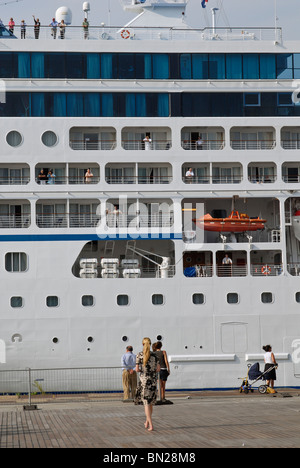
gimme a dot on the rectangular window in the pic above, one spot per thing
(16, 262)
(233, 66)
(16, 302)
(157, 299)
(267, 298)
(284, 66)
(160, 66)
(217, 66)
(284, 99)
(200, 66)
(52, 301)
(250, 66)
(267, 67)
(251, 99)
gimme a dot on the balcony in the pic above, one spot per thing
(213, 173)
(203, 138)
(290, 138)
(138, 174)
(14, 174)
(59, 214)
(141, 139)
(252, 138)
(71, 174)
(15, 221)
(262, 173)
(92, 139)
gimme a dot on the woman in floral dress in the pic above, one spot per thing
(148, 367)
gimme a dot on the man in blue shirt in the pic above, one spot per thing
(129, 378)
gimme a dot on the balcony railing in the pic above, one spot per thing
(14, 180)
(262, 179)
(212, 179)
(206, 145)
(66, 220)
(138, 179)
(92, 145)
(292, 179)
(155, 145)
(266, 269)
(232, 270)
(15, 221)
(139, 221)
(253, 145)
(152, 33)
(290, 144)
(71, 180)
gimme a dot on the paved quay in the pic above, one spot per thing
(223, 420)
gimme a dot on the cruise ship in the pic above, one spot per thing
(150, 183)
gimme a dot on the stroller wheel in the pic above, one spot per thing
(262, 389)
(246, 390)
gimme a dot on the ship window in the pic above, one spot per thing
(233, 66)
(16, 301)
(14, 138)
(52, 301)
(217, 66)
(16, 261)
(250, 66)
(251, 99)
(267, 67)
(297, 297)
(285, 99)
(232, 298)
(49, 139)
(122, 300)
(267, 298)
(198, 298)
(284, 66)
(157, 299)
(87, 301)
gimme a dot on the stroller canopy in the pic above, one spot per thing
(254, 372)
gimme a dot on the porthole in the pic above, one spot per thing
(297, 297)
(16, 302)
(198, 298)
(14, 138)
(267, 298)
(52, 301)
(87, 301)
(90, 339)
(159, 338)
(55, 340)
(122, 300)
(124, 338)
(49, 139)
(157, 299)
(232, 298)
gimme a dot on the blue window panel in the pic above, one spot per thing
(250, 66)
(59, 105)
(106, 66)
(252, 99)
(268, 66)
(163, 105)
(130, 105)
(285, 73)
(37, 65)
(74, 65)
(126, 69)
(74, 105)
(37, 105)
(107, 105)
(92, 105)
(7, 65)
(93, 66)
(200, 66)
(185, 66)
(297, 60)
(297, 73)
(217, 66)
(284, 99)
(284, 61)
(233, 66)
(148, 66)
(140, 102)
(160, 66)
(23, 65)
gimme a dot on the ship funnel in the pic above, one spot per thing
(64, 13)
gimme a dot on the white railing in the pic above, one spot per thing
(136, 145)
(93, 145)
(236, 179)
(266, 269)
(139, 221)
(290, 144)
(15, 221)
(138, 179)
(148, 33)
(253, 145)
(207, 145)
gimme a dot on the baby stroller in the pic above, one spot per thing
(255, 375)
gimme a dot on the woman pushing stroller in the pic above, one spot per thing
(270, 362)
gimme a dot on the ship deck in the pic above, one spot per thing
(205, 420)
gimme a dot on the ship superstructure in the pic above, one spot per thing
(112, 145)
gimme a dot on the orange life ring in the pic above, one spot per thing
(125, 34)
(266, 270)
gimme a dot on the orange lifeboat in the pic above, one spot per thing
(234, 223)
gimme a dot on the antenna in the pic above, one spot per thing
(13, 1)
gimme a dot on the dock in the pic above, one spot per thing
(198, 420)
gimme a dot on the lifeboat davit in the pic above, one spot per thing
(234, 223)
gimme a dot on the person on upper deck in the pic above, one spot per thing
(37, 26)
(53, 25)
